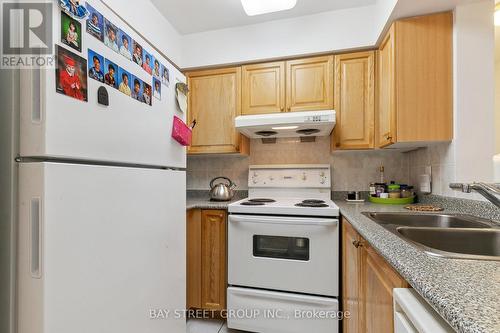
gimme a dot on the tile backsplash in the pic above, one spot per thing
(441, 157)
(352, 170)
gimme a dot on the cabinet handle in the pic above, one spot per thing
(282, 109)
(388, 137)
(357, 243)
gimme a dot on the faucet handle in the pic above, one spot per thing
(460, 186)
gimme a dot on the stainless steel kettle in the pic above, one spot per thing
(222, 191)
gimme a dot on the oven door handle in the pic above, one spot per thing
(283, 220)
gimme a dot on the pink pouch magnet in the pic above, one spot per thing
(181, 132)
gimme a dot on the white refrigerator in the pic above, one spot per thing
(96, 238)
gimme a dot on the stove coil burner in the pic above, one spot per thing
(313, 205)
(313, 201)
(264, 200)
(252, 203)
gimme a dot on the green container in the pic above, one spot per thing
(392, 201)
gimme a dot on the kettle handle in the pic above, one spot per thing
(231, 184)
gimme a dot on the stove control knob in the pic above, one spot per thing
(304, 176)
(255, 181)
(255, 174)
(271, 178)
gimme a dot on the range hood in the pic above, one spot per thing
(286, 125)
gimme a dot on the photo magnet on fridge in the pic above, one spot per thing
(125, 43)
(137, 55)
(165, 75)
(110, 72)
(74, 9)
(110, 35)
(136, 88)
(156, 88)
(96, 64)
(146, 93)
(124, 81)
(95, 23)
(147, 62)
(71, 74)
(71, 32)
(156, 69)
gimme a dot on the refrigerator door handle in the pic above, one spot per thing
(38, 91)
(35, 239)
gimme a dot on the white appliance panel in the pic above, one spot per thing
(285, 206)
(126, 131)
(285, 125)
(250, 312)
(99, 247)
(412, 314)
(310, 276)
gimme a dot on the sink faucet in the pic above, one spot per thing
(489, 191)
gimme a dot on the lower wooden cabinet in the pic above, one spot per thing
(368, 281)
(206, 259)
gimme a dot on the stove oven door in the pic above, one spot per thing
(296, 254)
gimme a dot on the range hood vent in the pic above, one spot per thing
(286, 125)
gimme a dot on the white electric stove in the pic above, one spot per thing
(283, 251)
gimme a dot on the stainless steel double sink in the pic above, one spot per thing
(444, 235)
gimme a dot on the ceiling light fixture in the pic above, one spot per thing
(285, 127)
(258, 7)
(497, 14)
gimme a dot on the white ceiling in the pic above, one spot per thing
(189, 16)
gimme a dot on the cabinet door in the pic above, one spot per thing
(351, 286)
(378, 280)
(193, 257)
(263, 88)
(354, 100)
(424, 79)
(309, 84)
(386, 120)
(213, 266)
(214, 101)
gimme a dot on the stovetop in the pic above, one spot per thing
(285, 206)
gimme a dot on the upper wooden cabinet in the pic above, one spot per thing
(354, 100)
(415, 82)
(263, 88)
(284, 86)
(214, 101)
(368, 281)
(309, 84)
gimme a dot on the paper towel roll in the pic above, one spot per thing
(496, 168)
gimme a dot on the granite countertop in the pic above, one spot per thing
(201, 200)
(464, 292)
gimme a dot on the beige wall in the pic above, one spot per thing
(350, 170)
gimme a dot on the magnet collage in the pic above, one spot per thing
(71, 73)
(107, 71)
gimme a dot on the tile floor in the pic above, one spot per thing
(208, 326)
